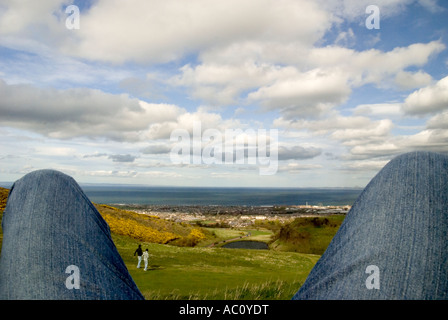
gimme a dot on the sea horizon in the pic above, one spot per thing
(127, 194)
(224, 196)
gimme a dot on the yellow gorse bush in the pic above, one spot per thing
(197, 235)
(3, 198)
(150, 228)
(192, 239)
(131, 228)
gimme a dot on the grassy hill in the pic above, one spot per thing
(182, 266)
(215, 273)
(307, 234)
(151, 228)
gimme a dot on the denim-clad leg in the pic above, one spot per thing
(393, 242)
(55, 241)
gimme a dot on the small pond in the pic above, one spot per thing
(246, 245)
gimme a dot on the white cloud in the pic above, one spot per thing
(26, 17)
(431, 5)
(157, 149)
(428, 139)
(221, 84)
(411, 80)
(36, 63)
(332, 122)
(305, 94)
(369, 151)
(379, 110)
(162, 31)
(346, 38)
(365, 165)
(54, 151)
(427, 100)
(122, 157)
(132, 174)
(80, 112)
(375, 66)
(439, 121)
(298, 153)
(295, 168)
(376, 131)
(94, 114)
(313, 81)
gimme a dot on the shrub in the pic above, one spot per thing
(131, 228)
(3, 198)
(195, 236)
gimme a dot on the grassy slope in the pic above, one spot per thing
(216, 273)
(209, 273)
(307, 235)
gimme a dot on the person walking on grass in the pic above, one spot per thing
(145, 259)
(139, 253)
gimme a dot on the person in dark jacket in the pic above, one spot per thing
(139, 253)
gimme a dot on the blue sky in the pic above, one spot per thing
(101, 102)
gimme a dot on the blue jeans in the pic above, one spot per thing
(393, 242)
(57, 246)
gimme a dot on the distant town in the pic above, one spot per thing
(235, 216)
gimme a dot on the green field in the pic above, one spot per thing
(216, 273)
(191, 270)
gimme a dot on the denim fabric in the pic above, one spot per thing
(51, 228)
(399, 224)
